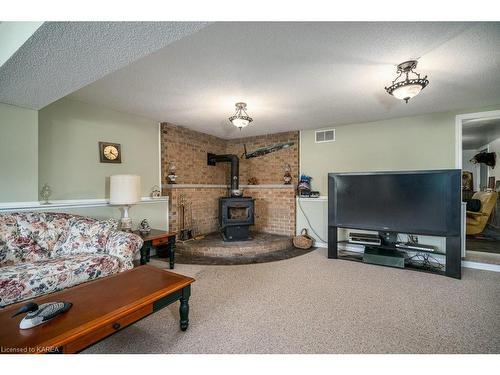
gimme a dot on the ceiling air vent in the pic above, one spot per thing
(325, 135)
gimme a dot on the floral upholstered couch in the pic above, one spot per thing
(43, 252)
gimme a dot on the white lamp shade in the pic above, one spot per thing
(124, 189)
(240, 123)
(407, 91)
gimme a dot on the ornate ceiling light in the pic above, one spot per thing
(408, 87)
(240, 119)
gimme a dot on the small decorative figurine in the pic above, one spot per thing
(171, 173)
(155, 192)
(304, 186)
(45, 193)
(144, 227)
(287, 178)
(39, 314)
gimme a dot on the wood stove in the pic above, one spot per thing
(236, 214)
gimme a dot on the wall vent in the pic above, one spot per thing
(323, 136)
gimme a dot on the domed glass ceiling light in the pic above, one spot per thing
(407, 88)
(240, 119)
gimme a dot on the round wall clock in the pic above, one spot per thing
(110, 152)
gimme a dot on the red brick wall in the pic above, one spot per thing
(204, 207)
(275, 208)
(187, 149)
(268, 169)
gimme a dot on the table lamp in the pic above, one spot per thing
(124, 190)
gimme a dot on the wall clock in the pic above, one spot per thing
(110, 152)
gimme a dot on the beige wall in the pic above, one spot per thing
(18, 154)
(408, 143)
(69, 132)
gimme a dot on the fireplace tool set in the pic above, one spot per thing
(186, 219)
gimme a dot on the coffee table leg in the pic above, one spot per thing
(171, 251)
(184, 308)
(144, 253)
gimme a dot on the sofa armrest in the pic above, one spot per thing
(124, 246)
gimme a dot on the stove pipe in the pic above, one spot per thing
(213, 159)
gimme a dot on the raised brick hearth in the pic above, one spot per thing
(213, 246)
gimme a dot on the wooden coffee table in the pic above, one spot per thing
(100, 308)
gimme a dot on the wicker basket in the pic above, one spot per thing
(303, 241)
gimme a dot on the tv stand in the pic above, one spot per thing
(453, 263)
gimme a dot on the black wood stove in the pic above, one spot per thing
(235, 217)
(236, 213)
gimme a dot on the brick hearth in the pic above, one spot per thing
(213, 246)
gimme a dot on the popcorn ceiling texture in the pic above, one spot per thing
(187, 149)
(61, 57)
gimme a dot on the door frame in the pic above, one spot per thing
(459, 119)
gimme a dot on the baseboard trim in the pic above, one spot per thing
(481, 266)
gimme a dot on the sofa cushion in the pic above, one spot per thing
(44, 227)
(27, 280)
(85, 235)
(29, 236)
(8, 233)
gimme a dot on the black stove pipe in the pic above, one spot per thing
(212, 159)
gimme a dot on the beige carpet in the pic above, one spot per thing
(310, 304)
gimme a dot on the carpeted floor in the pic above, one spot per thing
(310, 304)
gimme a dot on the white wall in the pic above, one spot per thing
(316, 210)
(410, 143)
(18, 154)
(69, 132)
(58, 145)
(468, 166)
(495, 147)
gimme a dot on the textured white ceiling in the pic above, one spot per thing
(479, 132)
(304, 75)
(61, 57)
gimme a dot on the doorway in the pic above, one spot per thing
(478, 151)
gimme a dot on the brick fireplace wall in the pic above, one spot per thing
(268, 169)
(187, 149)
(203, 184)
(274, 210)
(204, 208)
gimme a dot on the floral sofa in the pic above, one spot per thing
(43, 252)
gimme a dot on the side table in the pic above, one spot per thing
(158, 239)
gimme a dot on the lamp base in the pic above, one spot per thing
(125, 221)
(126, 224)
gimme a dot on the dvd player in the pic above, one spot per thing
(364, 239)
(415, 246)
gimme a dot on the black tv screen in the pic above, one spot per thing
(416, 202)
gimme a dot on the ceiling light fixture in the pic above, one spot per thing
(408, 87)
(240, 119)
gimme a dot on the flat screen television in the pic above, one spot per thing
(414, 202)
